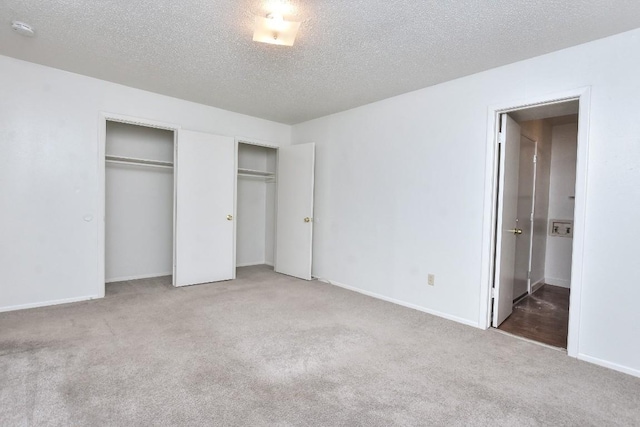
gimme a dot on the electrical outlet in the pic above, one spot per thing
(431, 279)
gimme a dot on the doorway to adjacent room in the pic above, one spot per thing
(535, 198)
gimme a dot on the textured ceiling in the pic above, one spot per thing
(348, 52)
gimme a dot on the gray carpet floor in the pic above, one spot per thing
(267, 349)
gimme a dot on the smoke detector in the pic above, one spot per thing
(22, 29)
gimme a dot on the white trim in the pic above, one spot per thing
(175, 208)
(103, 118)
(489, 216)
(534, 196)
(255, 141)
(49, 303)
(236, 165)
(563, 283)
(138, 277)
(579, 223)
(130, 120)
(610, 365)
(398, 302)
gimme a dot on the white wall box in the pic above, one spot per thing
(561, 227)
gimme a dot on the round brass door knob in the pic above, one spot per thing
(516, 231)
(307, 219)
(229, 217)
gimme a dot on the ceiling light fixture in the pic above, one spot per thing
(22, 29)
(275, 30)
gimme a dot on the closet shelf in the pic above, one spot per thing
(256, 173)
(139, 162)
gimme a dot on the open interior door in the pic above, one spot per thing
(507, 230)
(294, 224)
(526, 205)
(204, 233)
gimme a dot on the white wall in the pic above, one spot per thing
(250, 227)
(400, 191)
(540, 131)
(561, 206)
(139, 204)
(49, 220)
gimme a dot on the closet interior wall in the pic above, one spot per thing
(256, 205)
(559, 250)
(139, 202)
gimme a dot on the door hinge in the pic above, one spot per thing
(531, 217)
(528, 274)
(493, 292)
(535, 158)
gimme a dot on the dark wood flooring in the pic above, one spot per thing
(542, 316)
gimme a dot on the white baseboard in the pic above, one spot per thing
(138, 277)
(563, 283)
(48, 303)
(610, 365)
(402, 303)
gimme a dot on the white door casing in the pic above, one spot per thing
(294, 223)
(489, 264)
(205, 181)
(506, 222)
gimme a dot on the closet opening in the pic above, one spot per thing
(538, 157)
(256, 200)
(139, 207)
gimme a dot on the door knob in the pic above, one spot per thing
(229, 217)
(516, 231)
(307, 219)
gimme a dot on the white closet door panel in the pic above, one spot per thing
(205, 181)
(294, 223)
(508, 230)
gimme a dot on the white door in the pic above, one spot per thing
(507, 230)
(524, 220)
(294, 224)
(205, 179)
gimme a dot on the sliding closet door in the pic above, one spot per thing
(294, 225)
(205, 181)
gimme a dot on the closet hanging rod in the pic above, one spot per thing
(254, 172)
(258, 177)
(139, 162)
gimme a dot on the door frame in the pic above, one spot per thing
(583, 96)
(533, 207)
(103, 118)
